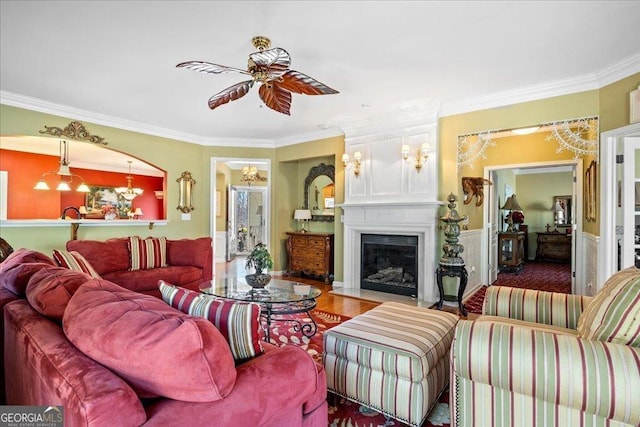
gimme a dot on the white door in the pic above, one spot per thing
(630, 189)
(493, 226)
(232, 226)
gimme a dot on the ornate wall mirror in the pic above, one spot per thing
(562, 211)
(185, 184)
(319, 192)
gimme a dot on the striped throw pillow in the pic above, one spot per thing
(74, 261)
(239, 322)
(613, 315)
(147, 253)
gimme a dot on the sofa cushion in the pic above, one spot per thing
(239, 322)
(154, 347)
(50, 289)
(18, 267)
(147, 253)
(195, 252)
(144, 280)
(613, 315)
(105, 257)
(74, 261)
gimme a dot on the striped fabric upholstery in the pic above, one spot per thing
(74, 261)
(147, 253)
(506, 375)
(550, 308)
(530, 325)
(238, 322)
(393, 358)
(614, 313)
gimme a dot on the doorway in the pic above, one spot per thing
(241, 206)
(537, 201)
(246, 219)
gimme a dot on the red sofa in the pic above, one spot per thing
(45, 366)
(189, 262)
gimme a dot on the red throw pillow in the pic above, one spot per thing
(50, 289)
(239, 322)
(155, 348)
(17, 269)
(147, 253)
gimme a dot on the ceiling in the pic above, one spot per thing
(114, 62)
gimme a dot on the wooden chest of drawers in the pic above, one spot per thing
(554, 247)
(310, 253)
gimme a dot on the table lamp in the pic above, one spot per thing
(302, 215)
(511, 205)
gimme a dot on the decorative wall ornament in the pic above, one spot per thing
(472, 187)
(185, 184)
(74, 130)
(473, 146)
(577, 135)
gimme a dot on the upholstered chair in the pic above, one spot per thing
(548, 359)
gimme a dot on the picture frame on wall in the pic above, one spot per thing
(590, 183)
(104, 201)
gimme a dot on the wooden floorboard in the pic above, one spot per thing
(331, 303)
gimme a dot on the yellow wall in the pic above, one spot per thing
(611, 104)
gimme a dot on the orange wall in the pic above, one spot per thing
(25, 169)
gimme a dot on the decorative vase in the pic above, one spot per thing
(258, 280)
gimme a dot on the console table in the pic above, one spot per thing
(555, 247)
(310, 253)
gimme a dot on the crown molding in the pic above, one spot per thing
(404, 115)
(42, 106)
(585, 82)
(329, 132)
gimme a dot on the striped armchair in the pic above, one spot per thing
(547, 359)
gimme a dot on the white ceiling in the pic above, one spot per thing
(113, 62)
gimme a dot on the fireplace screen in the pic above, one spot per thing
(389, 263)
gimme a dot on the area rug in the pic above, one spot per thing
(550, 277)
(342, 412)
(285, 332)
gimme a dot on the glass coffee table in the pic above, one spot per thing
(278, 300)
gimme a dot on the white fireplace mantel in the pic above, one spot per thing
(408, 219)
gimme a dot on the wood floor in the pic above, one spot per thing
(337, 304)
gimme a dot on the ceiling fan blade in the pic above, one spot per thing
(231, 93)
(208, 67)
(297, 82)
(276, 61)
(275, 97)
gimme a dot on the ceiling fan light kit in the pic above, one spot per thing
(269, 67)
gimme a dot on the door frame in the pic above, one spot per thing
(212, 196)
(610, 146)
(577, 279)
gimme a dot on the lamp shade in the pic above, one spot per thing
(301, 214)
(512, 204)
(138, 212)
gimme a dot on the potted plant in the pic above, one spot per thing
(259, 259)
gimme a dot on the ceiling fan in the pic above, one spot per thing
(270, 67)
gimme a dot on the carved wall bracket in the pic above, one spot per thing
(74, 130)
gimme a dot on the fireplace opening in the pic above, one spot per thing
(389, 263)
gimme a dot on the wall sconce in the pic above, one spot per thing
(159, 194)
(355, 164)
(422, 154)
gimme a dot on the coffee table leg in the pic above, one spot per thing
(308, 329)
(268, 317)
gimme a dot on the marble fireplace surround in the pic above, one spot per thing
(408, 219)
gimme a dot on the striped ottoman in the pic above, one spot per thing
(393, 358)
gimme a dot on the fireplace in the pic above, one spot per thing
(389, 263)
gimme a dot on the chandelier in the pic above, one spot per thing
(129, 193)
(250, 175)
(64, 171)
